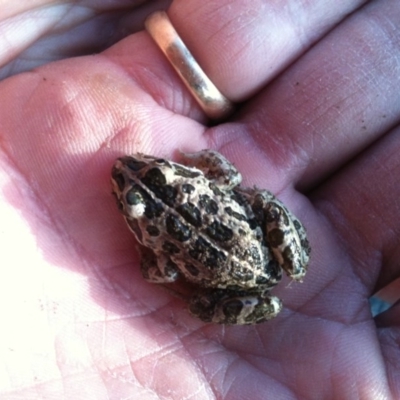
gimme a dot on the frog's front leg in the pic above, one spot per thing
(215, 167)
(157, 268)
(286, 235)
(223, 306)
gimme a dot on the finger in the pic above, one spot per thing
(58, 30)
(235, 43)
(242, 44)
(335, 101)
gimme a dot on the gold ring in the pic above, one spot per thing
(211, 100)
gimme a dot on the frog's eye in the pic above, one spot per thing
(135, 200)
(133, 197)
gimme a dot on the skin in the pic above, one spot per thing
(318, 126)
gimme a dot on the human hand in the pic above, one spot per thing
(78, 319)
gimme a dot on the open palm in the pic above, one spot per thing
(79, 322)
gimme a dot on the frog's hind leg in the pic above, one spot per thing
(231, 307)
(286, 236)
(215, 167)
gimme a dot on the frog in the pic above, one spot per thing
(195, 223)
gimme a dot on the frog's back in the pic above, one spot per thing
(209, 233)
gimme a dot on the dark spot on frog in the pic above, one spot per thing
(155, 180)
(188, 188)
(171, 270)
(239, 199)
(275, 237)
(235, 214)
(152, 230)
(253, 224)
(133, 164)
(219, 232)
(153, 209)
(206, 254)
(215, 259)
(199, 247)
(154, 177)
(190, 213)
(208, 204)
(177, 229)
(167, 194)
(215, 189)
(296, 224)
(170, 248)
(185, 172)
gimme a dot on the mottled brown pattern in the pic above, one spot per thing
(199, 224)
